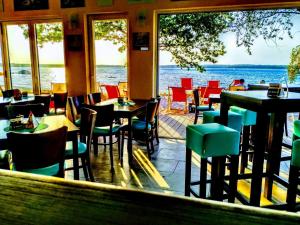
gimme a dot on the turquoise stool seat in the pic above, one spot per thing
(297, 128)
(52, 170)
(77, 122)
(294, 174)
(216, 141)
(234, 119)
(249, 117)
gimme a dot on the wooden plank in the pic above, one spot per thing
(32, 199)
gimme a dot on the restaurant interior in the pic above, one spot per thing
(81, 151)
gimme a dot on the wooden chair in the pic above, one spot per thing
(58, 88)
(45, 99)
(105, 127)
(94, 98)
(10, 93)
(206, 91)
(186, 83)
(75, 113)
(144, 130)
(13, 111)
(177, 94)
(123, 88)
(60, 102)
(87, 125)
(198, 106)
(40, 153)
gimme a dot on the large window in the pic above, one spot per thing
(35, 55)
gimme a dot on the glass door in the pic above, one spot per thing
(19, 57)
(108, 47)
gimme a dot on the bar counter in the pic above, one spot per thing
(33, 199)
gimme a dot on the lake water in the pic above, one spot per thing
(168, 75)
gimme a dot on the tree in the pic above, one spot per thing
(294, 65)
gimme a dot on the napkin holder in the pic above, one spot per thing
(274, 90)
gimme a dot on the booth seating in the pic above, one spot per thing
(248, 121)
(216, 141)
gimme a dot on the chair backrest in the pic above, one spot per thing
(87, 125)
(58, 87)
(15, 110)
(151, 111)
(178, 94)
(94, 98)
(235, 82)
(10, 93)
(122, 85)
(112, 91)
(105, 114)
(187, 83)
(45, 99)
(196, 96)
(213, 83)
(78, 101)
(73, 109)
(38, 150)
(206, 91)
(60, 100)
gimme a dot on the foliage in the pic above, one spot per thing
(294, 65)
(195, 38)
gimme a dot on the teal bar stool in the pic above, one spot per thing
(294, 175)
(216, 141)
(296, 134)
(248, 121)
(234, 119)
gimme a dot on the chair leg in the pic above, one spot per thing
(90, 172)
(203, 178)
(245, 148)
(188, 164)
(83, 163)
(95, 144)
(111, 153)
(196, 116)
(156, 134)
(148, 148)
(234, 167)
(292, 188)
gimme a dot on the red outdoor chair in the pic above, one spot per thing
(206, 91)
(177, 94)
(112, 91)
(213, 83)
(187, 83)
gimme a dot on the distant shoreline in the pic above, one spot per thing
(173, 66)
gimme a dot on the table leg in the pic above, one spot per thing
(75, 156)
(274, 150)
(258, 158)
(129, 141)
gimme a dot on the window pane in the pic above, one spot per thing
(50, 54)
(19, 57)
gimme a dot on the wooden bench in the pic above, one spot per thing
(33, 199)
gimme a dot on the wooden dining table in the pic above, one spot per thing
(259, 102)
(127, 111)
(52, 123)
(34, 199)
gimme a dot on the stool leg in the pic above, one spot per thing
(245, 148)
(203, 176)
(292, 188)
(188, 165)
(217, 178)
(234, 167)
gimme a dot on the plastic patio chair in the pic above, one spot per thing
(177, 94)
(213, 83)
(187, 83)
